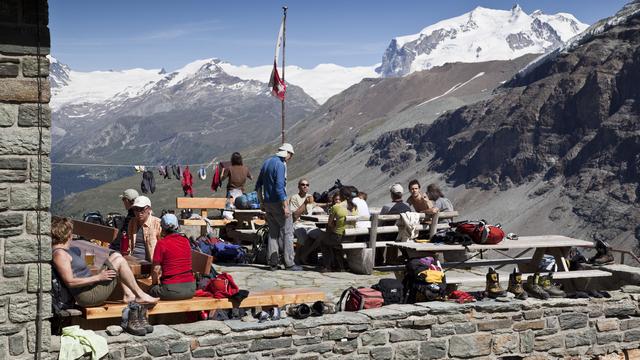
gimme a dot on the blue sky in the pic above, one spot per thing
(118, 34)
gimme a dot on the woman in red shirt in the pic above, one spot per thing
(172, 270)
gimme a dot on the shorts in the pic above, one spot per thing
(179, 291)
(98, 293)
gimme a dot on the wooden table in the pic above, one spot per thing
(556, 245)
(140, 268)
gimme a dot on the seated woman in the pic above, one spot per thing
(91, 290)
(332, 255)
(238, 174)
(172, 274)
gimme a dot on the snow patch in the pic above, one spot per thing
(454, 88)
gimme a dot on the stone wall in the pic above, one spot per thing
(19, 173)
(584, 328)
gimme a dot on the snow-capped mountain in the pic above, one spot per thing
(479, 35)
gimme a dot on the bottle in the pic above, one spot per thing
(124, 244)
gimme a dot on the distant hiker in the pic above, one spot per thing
(419, 200)
(435, 194)
(238, 175)
(87, 289)
(128, 196)
(307, 234)
(271, 187)
(172, 275)
(144, 230)
(332, 254)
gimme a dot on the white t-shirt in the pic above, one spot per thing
(296, 201)
(363, 210)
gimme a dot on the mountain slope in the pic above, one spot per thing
(569, 123)
(479, 35)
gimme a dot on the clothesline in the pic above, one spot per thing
(210, 163)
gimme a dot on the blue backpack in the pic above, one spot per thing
(229, 253)
(248, 201)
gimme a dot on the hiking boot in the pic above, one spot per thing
(604, 258)
(547, 284)
(294, 268)
(144, 319)
(515, 285)
(134, 327)
(494, 289)
(533, 289)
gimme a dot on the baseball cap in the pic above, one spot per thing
(284, 149)
(169, 222)
(396, 189)
(141, 202)
(129, 194)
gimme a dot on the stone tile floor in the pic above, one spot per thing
(258, 277)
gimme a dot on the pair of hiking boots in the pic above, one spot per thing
(134, 320)
(541, 287)
(603, 254)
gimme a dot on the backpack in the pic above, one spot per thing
(480, 232)
(423, 281)
(452, 238)
(222, 286)
(259, 254)
(247, 201)
(326, 196)
(93, 217)
(392, 291)
(61, 298)
(360, 298)
(115, 220)
(229, 253)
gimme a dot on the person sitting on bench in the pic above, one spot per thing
(144, 230)
(440, 202)
(91, 290)
(419, 200)
(172, 275)
(307, 235)
(332, 254)
(238, 174)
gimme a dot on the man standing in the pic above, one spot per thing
(271, 187)
(128, 196)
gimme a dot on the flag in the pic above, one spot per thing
(277, 85)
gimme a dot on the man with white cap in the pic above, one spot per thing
(143, 230)
(396, 206)
(271, 187)
(127, 197)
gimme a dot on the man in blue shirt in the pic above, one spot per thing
(271, 187)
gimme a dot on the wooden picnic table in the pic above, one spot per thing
(140, 268)
(556, 245)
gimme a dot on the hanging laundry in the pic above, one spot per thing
(162, 171)
(139, 168)
(167, 171)
(202, 173)
(187, 182)
(148, 184)
(216, 179)
(176, 171)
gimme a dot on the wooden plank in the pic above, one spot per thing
(93, 231)
(200, 222)
(524, 242)
(389, 229)
(101, 253)
(362, 245)
(201, 262)
(200, 203)
(276, 297)
(373, 231)
(466, 279)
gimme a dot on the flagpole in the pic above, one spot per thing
(284, 32)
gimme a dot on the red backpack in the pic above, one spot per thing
(360, 298)
(480, 232)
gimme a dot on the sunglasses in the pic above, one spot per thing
(139, 209)
(303, 184)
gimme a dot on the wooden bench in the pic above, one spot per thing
(276, 297)
(473, 279)
(92, 231)
(204, 204)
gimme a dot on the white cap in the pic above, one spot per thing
(129, 194)
(284, 149)
(396, 189)
(141, 202)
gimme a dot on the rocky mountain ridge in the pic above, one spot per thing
(571, 120)
(480, 35)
